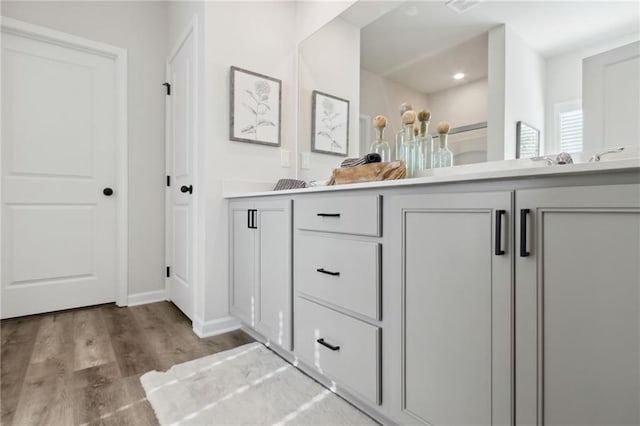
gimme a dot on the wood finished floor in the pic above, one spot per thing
(83, 366)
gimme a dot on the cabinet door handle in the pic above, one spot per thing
(251, 219)
(498, 249)
(523, 233)
(329, 214)
(324, 271)
(328, 345)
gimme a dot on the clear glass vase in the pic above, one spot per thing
(426, 146)
(380, 146)
(443, 157)
(410, 151)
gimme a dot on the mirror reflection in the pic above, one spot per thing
(568, 71)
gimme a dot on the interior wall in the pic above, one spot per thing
(140, 27)
(497, 95)
(460, 105)
(258, 36)
(313, 15)
(327, 64)
(381, 96)
(524, 90)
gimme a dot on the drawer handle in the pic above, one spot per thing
(328, 345)
(329, 214)
(523, 233)
(324, 271)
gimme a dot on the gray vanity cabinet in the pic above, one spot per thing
(454, 261)
(578, 306)
(260, 267)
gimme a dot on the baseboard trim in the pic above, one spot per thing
(218, 326)
(147, 297)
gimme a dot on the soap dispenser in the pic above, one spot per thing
(380, 146)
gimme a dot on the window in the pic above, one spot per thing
(571, 131)
(569, 126)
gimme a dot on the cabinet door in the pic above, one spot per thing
(456, 315)
(273, 284)
(242, 253)
(578, 306)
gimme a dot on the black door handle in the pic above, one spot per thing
(324, 271)
(499, 214)
(108, 192)
(251, 219)
(329, 214)
(184, 189)
(328, 345)
(523, 233)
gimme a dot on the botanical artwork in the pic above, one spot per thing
(527, 140)
(329, 124)
(255, 108)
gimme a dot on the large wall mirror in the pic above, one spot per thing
(569, 70)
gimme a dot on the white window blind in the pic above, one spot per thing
(570, 123)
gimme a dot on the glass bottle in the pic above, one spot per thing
(409, 148)
(425, 140)
(380, 146)
(443, 157)
(404, 107)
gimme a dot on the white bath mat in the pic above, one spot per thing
(248, 385)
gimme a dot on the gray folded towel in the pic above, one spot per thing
(369, 158)
(289, 184)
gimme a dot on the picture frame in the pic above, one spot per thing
(255, 108)
(527, 140)
(329, 124)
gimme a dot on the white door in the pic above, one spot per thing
(59, 140)
(180, 192)
(611, 107)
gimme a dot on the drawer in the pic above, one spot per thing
(351, 354)
(343, 272)
(358, 215)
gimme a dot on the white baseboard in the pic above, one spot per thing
(144, 298)
(215, 327)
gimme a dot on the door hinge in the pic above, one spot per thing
(168, 86)
(168, 180)
(168, 271)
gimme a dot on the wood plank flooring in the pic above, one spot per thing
(83, 366)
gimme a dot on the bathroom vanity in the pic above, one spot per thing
(494, 297)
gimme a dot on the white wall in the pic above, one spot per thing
(564, 81)
(460, 105)
(516, 91)
(313, 15)
(140, 27)
(327, 64)
(258, 36)
(381, 96)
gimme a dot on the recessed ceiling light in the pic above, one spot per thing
(458, 76)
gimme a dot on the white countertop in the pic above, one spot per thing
(473, 172)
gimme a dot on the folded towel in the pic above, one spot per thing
(289, 184)
(367, 159)
(369, 173)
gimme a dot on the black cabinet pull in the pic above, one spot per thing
(329, 214)
(251, 219)
(324, 271)
(184, 189)
(108, 192)
(328, 345)
(499, 215)
(523, 233)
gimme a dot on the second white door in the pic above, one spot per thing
(180, 171)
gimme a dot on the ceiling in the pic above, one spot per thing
(423, 43)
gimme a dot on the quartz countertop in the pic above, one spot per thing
(473, 172)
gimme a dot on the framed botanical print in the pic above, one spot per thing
(256, 103)
(329, 124)
(527, 140)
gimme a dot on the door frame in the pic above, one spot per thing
(196, 264)
(119, 56)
